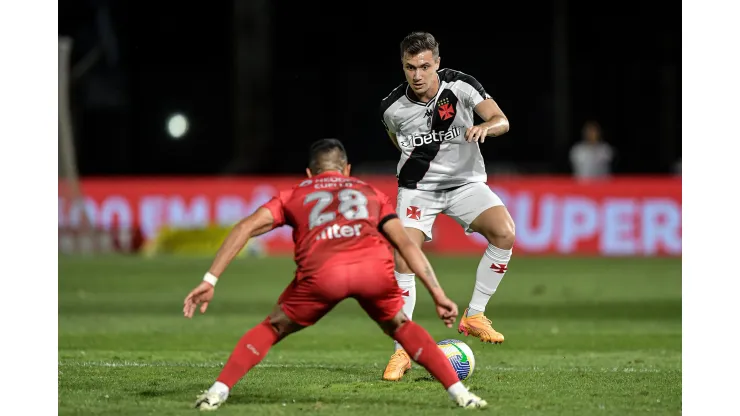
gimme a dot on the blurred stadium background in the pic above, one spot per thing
(176, 119)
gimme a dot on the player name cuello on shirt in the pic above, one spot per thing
(330, 182)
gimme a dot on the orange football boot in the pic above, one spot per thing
(480, 327)
(399, 364)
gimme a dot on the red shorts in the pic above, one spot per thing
(371, 283)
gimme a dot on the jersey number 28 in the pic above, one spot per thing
(352, 205)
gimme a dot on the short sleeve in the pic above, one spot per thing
(475, 91)
(276, 206)
(386, 107)
(383, 120)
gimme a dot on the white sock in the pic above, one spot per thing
(456, 390)
(491, 270)
(407, 282)
(220, 388)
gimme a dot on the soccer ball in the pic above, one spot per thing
(460, 355)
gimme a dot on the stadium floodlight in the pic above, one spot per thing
(177, 125)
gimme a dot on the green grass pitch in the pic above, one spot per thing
(584, 336)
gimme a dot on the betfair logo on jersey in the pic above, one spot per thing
(336, 231)
(416, 140)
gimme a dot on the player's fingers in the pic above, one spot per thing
(203, 307)
(187, 303)
(187, 307)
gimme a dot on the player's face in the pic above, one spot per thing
(421, 71)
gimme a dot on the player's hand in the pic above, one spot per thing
(201, 295)
(476, 133)
(447, 311)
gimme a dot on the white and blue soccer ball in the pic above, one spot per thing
(460, 355)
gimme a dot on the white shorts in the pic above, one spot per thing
(418, 209)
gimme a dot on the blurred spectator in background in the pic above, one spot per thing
(591, 157)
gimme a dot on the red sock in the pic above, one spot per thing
(422, 349)
(249, 351)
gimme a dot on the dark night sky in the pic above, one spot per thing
(331, 67)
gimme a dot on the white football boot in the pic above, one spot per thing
(210, 400)
(469, 400)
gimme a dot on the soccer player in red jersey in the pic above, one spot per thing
(341, 230)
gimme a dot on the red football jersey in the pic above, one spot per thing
(336, 220)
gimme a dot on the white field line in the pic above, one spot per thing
(498, 369)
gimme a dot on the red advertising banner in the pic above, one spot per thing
(625, 216)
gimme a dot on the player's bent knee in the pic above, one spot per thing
(501, 238)
(281, 323)
(505, 236)
(391, 326)
(497, 226)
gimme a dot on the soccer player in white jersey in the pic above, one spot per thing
(441, 171)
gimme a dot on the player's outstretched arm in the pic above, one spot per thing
(258, 223)
(419, 264)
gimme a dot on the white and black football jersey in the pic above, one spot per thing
(434, 153)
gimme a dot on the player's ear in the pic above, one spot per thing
(346, 169)
(308, 172)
